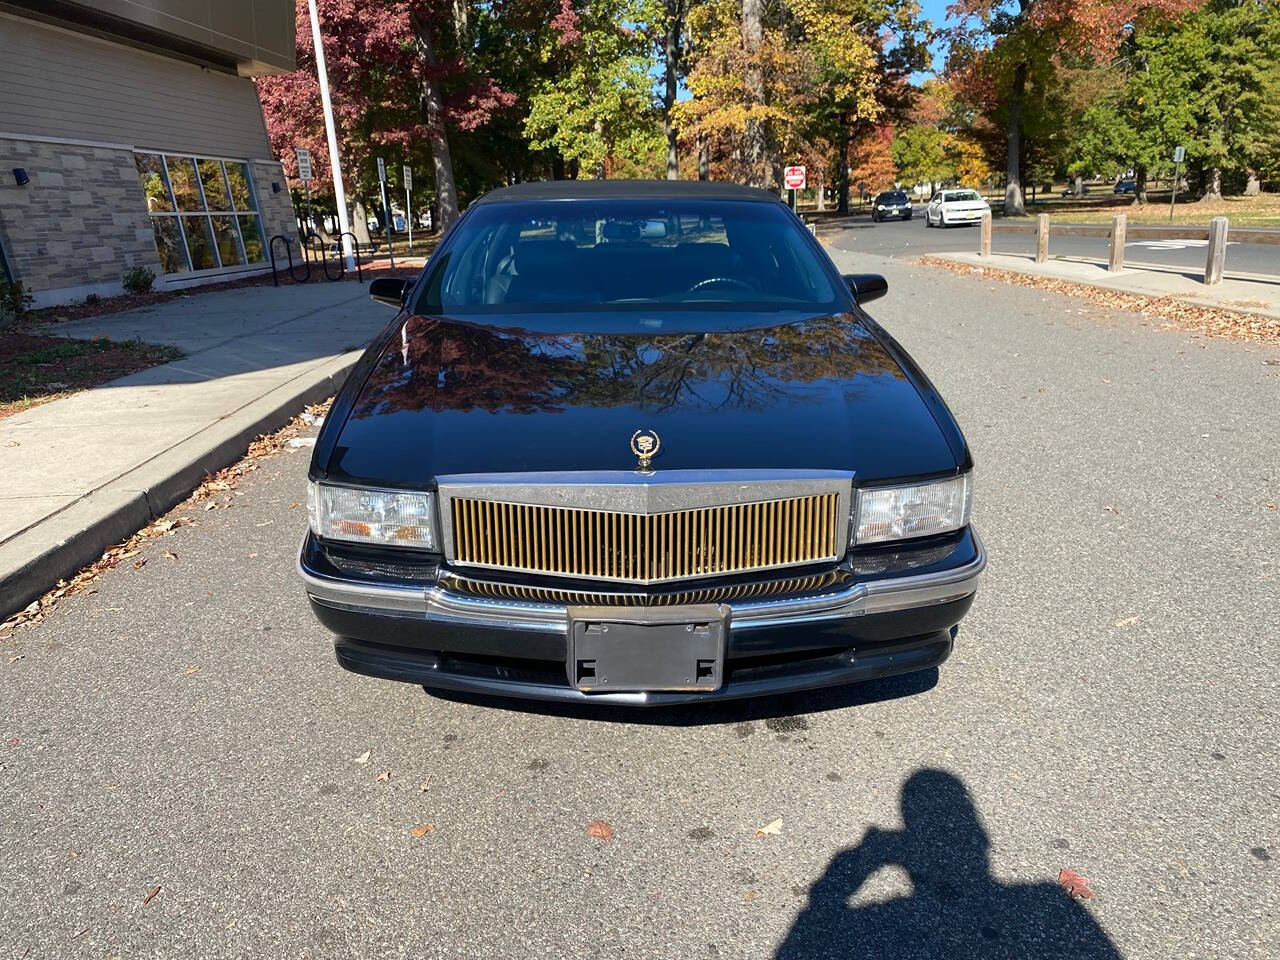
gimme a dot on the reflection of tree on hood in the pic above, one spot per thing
(453, 366)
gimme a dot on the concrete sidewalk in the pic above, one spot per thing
(1243, 293)
(84, 472)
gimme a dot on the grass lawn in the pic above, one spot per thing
(36, 368)
(1262, 210)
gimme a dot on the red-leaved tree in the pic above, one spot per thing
(398, 79)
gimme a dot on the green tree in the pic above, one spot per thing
(602, 104)
(920, 152)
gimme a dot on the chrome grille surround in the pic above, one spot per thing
(645, 528)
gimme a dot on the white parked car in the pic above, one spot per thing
(955, 206)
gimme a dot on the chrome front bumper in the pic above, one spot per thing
(439, 605)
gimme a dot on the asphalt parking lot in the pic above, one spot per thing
(183, 736)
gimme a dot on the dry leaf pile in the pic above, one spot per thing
(1167, 312)
(212, 494)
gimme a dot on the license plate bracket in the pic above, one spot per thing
(629, 649)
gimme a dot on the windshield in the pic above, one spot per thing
(582, 254)
(962, 195)
(898, 197)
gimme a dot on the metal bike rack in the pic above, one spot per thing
(288, 249)
(317, 249)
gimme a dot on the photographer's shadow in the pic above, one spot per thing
(956, 909)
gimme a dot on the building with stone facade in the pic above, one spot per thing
(131, 135)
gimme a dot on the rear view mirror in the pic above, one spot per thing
(388, 290)
(866, 286)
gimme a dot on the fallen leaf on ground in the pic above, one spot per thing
(1127, 621)
(774, 826)
(600, 830)
(170, 555)
(139, 563)
(15, 659)
(426, 785)
(423, 831)
(1074, 884)
(295, 505)
(151, 895)
(384, 776)
(190, 670)
(363, 758)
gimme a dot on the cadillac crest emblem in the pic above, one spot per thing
(645, 445)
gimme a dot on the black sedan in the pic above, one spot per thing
(891, 205)
(637, 442)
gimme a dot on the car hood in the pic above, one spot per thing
(965, 204)
(776, 391)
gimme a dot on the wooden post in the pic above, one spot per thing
(1042, 238)
(1118, 223)
(1216, 261)
(984, 238)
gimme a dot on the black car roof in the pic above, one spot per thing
(628, 189)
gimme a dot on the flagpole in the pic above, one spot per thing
(340, 194)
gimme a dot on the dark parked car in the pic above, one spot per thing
(1125, 186)
(637, 442)
(891, 205)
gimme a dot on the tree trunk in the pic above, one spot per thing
(822, 199)
(1140, 184)
(360, 220)
(753, 146)
(842, 189)
(557, 166)
(1077, 185)
(704, 158)
(1013, 203)
(1213, 189)
(437, 137)
(672, 49)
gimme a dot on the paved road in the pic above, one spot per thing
(910, 238)
(1111, 708)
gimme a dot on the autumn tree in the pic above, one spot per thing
(1004, 53)
(401, 81)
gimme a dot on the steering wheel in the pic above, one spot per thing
(734, 280)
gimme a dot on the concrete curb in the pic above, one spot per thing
(1116, 283)
(57, 547)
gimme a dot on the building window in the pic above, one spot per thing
(203, 212)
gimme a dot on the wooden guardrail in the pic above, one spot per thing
(1119, 232)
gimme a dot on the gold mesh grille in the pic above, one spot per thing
(647, 548)
(737, 591)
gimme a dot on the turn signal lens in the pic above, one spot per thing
(918, 510)
(388, 517)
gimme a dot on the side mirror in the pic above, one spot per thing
(388, 290)
(865, 286)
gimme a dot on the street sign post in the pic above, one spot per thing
(386, 208)
(793, 179)
(1179, 154)
(305, 175)
(408, 206)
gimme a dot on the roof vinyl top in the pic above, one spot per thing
(625, 189)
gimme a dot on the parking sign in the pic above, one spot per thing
(304, 163)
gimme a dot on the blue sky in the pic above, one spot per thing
(935, 11)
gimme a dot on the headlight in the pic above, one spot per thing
(879, 206)
(918, 510)
(390, 517)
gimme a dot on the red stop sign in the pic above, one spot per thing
(793, 177)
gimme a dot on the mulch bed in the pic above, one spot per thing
(36, 368)
(1166, 312)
